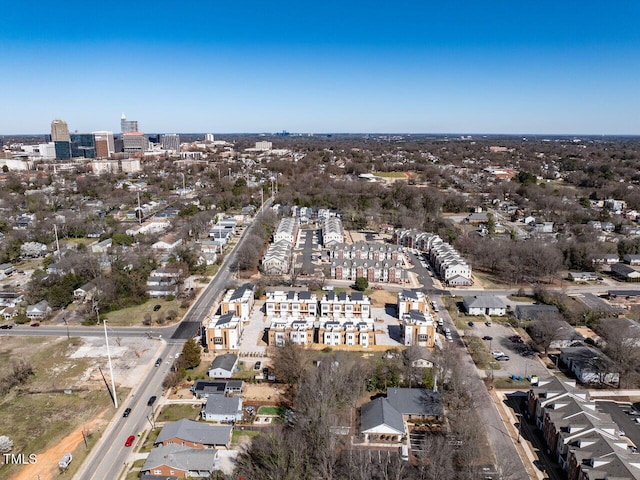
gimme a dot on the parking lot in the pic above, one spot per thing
(518, 363)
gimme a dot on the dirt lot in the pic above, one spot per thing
(66, 396)
(380, 297)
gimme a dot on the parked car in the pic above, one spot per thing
(257, 365)
(152, 400)
(503, 358)
(35, 324)
(126, 412)
(158, 362)
(471, 324)
(487, 337)
(498, 353)
(6, 327)
(130, 440)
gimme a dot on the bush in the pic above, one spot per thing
(361, 284)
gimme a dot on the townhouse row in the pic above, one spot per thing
(446, 261)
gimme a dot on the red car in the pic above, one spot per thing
(35, 324)
(130, 441)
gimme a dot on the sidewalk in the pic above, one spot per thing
(525, 449)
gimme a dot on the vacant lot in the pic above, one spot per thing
(135, 315)
(175, 412)
(39, 414)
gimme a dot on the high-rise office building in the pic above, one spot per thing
(105, 144)
(59, 131)
(63, 150)
(83, 145)
(171, 142)
(128, 126)
(135, 142)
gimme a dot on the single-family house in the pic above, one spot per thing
(193, 434)
(84, 293)
(583, 276)
(484, 305)
(625, 272)
(39, 311)
(536, 312)
(222, 409)
(180, 461)
(101, 247)
(631, 259)
(223, 366)
(589, 365)
(204, 388)
(167, 243)
(565, 336)
(387, 416)
(6, 269)
(605, 259)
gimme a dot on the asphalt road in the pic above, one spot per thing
(108, 457)
(625, 422)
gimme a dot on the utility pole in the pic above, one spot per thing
(55, 229)
(64, 319)
(106, 338)
(139, 210)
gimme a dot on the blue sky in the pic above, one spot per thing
(486, 66)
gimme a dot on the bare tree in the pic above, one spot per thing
(544, 331)
(289, 362)
(622, 346)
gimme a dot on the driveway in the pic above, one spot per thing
(251, 342)
(388, 323)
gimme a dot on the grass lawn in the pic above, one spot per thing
(239, 436)
(172, 413)
(267, 410)
(390, 174)
(134, 473)
(516, 298)
(134, 315)
(147, 446)
(480, 353)
(507, 383)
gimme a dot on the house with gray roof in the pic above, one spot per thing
(536, 312)
(625, 272)
(204, 388)
(378, 418)
(183, 462)
(484, 305)
(590, 365)
(223, 366)
(39, 311)
(387, 416)
(222, 409)
(195, 434)
(158, 477)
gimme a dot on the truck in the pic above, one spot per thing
(65, 461)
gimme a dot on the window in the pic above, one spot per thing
(217, 341)
(157, 472)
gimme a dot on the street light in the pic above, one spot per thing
(64, 319)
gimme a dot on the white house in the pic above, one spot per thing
(484, 305)
(222, 409)
(38, 311)
(223, 366)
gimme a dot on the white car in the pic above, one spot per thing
(498, 353)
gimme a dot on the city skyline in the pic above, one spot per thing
(466, 67)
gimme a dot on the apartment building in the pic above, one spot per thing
(239, 301)
(364, 251)
(298, 330)
(343, 305)
(287, 231)
(417, 328)
(374, 271)
(292, 303)
(277, 259)
(334, 332)
(332, 232)
(224, 332)
(411, 300)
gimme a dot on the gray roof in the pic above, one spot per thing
(483, 301)
(196, 432)
(158, 477)
(218, 405)
(623, 269)
(379, 412)
(225, 362)
(410, 295)
(415, 401)
(182, 458)
(224, 319)
(535, 312)
(624, 293)
(239, 292)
